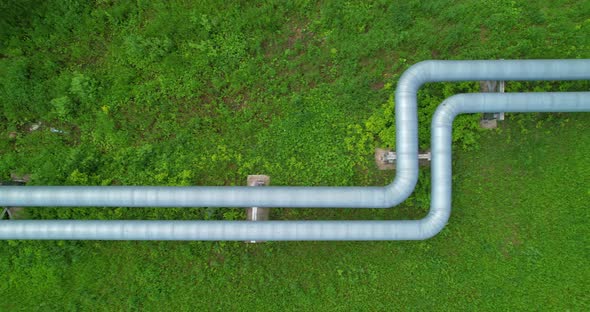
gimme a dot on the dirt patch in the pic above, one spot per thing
(215, 259)
(379, 155)
(483, 34)
(237, 102)
(435, 54)
(296, 36)
(511, 241)
(377, 86)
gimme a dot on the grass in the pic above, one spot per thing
(179, 93)
(517, 239)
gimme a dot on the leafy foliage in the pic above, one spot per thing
(205, 93)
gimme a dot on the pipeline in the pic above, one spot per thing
(432, 224)
(312, 197)
(412, 79)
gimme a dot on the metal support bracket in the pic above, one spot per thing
(490, 120)
(386, 158)
(257, 213)
(6, 213)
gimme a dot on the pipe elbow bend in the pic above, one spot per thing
(414, 77)
(434, 223)
(399, 190)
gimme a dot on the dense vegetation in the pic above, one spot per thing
(205, 93)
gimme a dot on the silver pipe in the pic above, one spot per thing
(431, 225)
(320, 197)
(194, 196)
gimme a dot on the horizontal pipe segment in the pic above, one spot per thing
(425, 228)
(312, 197)
(191, 196)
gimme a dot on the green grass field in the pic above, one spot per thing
(180, 93)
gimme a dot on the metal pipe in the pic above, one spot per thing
(432, 224)
(312, 197)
